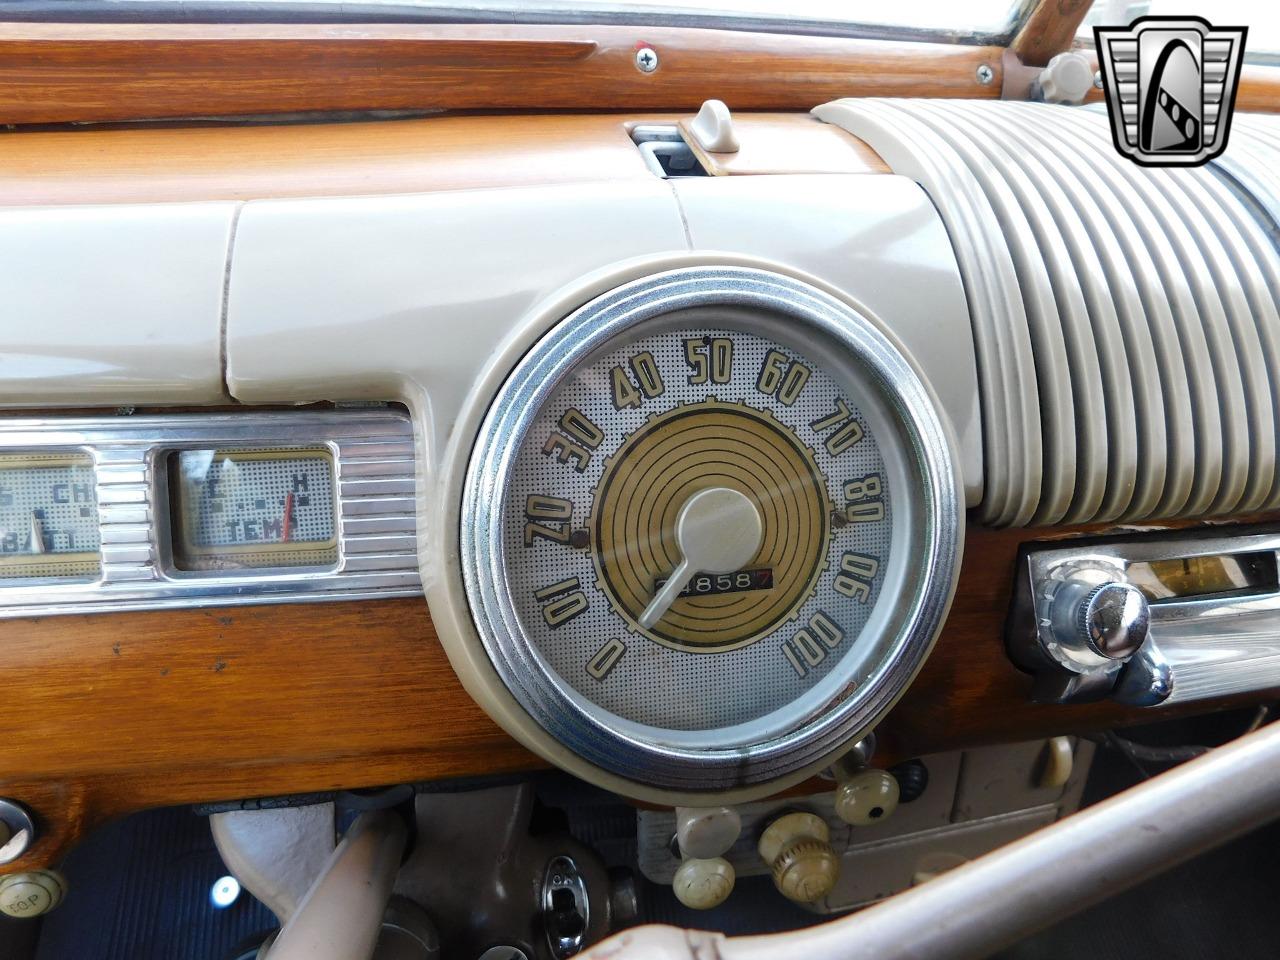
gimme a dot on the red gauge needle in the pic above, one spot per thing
(288, 515)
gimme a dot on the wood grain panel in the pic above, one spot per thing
(113, 713)
(1049, 30)
(1259, 89)
(150, 165)
(108, 714)
(54, 73)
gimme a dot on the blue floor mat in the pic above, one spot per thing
(139, 890)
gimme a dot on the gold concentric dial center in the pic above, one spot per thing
(654, 474)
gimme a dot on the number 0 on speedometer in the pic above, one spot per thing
(712, 523)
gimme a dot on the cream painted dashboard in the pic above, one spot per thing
(429, 301)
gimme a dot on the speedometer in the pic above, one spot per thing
(687, 491)
(708, 531)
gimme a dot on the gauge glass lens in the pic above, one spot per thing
(48, 516)
(743, 466)
(250, 509)
(1189, 577)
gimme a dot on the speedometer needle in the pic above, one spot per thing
(717, 531)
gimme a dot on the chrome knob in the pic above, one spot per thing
(1108, 620)
(17, 831)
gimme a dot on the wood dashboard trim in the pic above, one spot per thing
(177, 164)
(113, 713)
(1049, 30)
(68, 72)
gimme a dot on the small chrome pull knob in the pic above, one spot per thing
(1109, 620)
(1087, 632)
(17, 831)
(1146, 680)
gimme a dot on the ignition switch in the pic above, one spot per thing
(566, 909)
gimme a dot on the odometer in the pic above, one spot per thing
(708, 532)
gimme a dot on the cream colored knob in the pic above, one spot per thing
(867, 797)
(703, 884)
(31, 894)
(1059, 757)
(797, 849)
(713, 128)
(1067, 78)
(706, 832)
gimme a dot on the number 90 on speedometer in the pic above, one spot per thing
(714, 528)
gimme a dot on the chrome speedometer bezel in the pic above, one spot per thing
(936, 529)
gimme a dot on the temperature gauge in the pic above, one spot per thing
(48, 516)
(249, 509)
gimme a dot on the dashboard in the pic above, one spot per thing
(702, 478)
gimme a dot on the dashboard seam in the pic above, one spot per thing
(223, 362)
(684, 217)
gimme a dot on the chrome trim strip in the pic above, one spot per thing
(1214, 646)
(375, 473)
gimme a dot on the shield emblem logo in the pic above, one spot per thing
(1170, 84)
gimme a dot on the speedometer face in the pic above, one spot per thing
(708, 531)
(727, 430)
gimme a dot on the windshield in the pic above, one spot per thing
(965, 20)
(1262, 17)
(970, 16)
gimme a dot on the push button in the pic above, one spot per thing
(31, 894)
